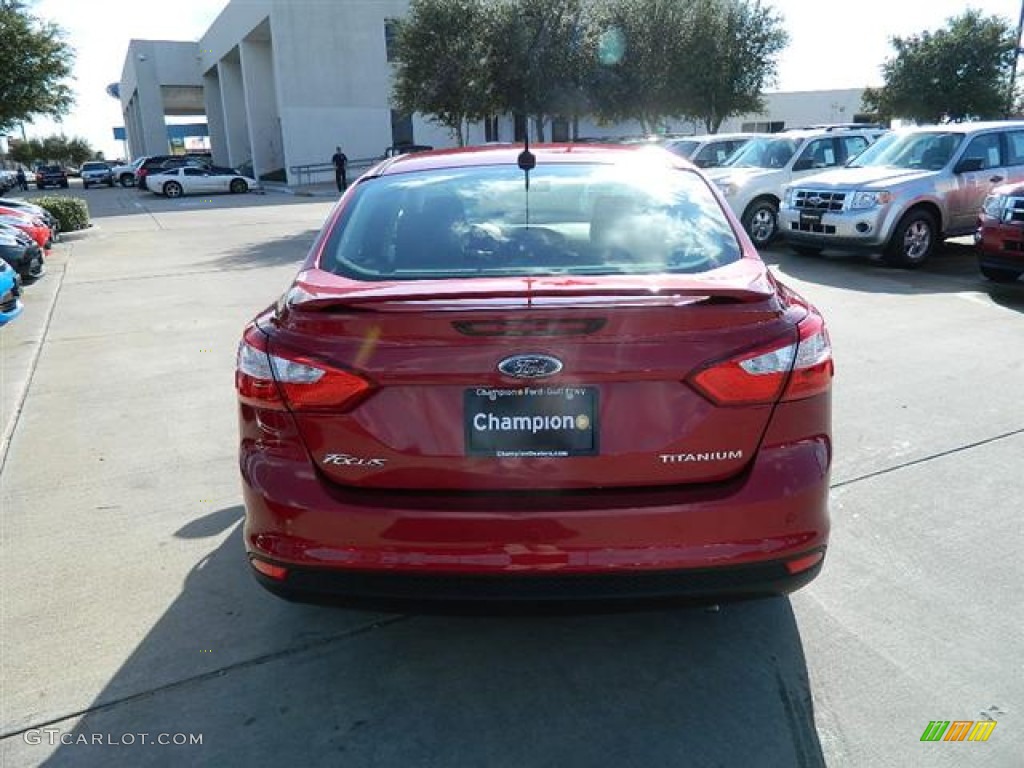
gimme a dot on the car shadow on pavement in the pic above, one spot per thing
(267, 682)
(291, 249)
(953, 268)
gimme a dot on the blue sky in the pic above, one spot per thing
(832, 44)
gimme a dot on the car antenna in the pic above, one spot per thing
(527, 161)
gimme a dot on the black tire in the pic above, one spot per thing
(127, 180)
(172, 189)
(1000, 275)
(64, 185)
(913, 240)
(806, 250)
(761, 221)
(238, 186)
(85, 185)
(110, 182)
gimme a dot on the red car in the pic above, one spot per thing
(553, 375)
(1000, 234)
(31, 225)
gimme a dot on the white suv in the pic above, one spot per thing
(752, 180)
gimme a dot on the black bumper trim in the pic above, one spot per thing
(404, 589)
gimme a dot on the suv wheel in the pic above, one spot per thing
(761, 220)
(998, 275)
(912, 241)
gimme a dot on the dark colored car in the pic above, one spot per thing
(561, 375)
(1000, 234)
(51, 176)
(21, 253)
(97, 173)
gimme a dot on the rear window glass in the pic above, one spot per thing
(572, 219)
(95, 167)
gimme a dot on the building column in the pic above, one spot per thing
(257, 64)
(215, 117)
(236, 121)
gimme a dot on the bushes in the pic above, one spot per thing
(71, 212)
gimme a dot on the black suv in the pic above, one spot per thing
(163, 162)
(51, 176)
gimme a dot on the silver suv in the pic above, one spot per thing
(906, 192)
(753, 178)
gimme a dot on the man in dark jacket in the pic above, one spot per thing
(340, 161)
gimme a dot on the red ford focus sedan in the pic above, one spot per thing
(555, 374)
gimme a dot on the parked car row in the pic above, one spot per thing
(26, 234)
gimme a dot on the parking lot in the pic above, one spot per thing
(128, 609)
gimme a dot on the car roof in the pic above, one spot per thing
(507, 154)
(985, 125)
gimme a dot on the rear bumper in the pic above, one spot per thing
(730, 538)
(848, 230)
(399, 589)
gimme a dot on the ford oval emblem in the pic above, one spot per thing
(530, 366)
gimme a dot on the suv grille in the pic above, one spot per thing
(1015, 210)
(813, 200)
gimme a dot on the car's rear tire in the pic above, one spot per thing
(172, 189)
(912, 241)
(761, 221)
(1000, 275)
(806, 250)
(127, 180)
(238, 186)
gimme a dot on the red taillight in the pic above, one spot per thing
(782, 372)
(803, 563)
(286, 380)
(276, 572)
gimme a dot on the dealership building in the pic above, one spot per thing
(281, 83)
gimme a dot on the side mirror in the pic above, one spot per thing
(803, 164)
(969, 165)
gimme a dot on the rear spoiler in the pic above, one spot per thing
(315, 290)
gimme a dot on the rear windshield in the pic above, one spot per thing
(95, 167)
(572, 219)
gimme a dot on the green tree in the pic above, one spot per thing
(641, 56)
(51, 149)
(440, 63)
(960, 72)
(35, 63)
(732, 48)
(26, 153)
(540, 54)
(78, 151)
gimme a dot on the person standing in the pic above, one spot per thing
(340, 161)
(22, 180)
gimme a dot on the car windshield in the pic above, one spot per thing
(764, 153)
(926, 150)
(684, 148)
(573, 219)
